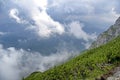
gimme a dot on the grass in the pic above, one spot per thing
(89, 65)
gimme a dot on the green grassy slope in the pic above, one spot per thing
(87, 66)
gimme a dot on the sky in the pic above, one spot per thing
(30, 29)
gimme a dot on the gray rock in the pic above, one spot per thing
(110, 78)
(108, 35)
(116, 75)
(118, 21)
(113, 78)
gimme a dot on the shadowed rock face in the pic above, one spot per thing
(113, 74)
(108, 35)
(117, 21)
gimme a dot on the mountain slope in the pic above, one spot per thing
(89, 65)
(108, 35)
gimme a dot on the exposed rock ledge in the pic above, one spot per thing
(113, 74)
(116, 74)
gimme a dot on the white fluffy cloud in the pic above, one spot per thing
(44, 25)
(76, 29)
(15, 64)
(14, 14)
(87, 11)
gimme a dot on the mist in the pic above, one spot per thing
(16, 64)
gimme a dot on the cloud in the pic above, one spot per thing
(83, 7)
(44, 25)
(87, 44)
(2, 33)
(48, 15)
(15, 64)
(90, 12)
(76, 29)
(44, 14)
(14, 14)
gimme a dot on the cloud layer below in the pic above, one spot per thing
(15, 64)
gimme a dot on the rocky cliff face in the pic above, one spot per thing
(108, 35)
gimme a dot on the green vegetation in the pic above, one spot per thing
(89, 65)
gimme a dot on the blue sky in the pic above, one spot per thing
(96, 16)
(50, 17)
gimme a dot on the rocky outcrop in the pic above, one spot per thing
(111, 33)
(108, 35)
(113, 74)
(116, 74)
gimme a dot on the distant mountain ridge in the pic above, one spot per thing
(108, 35)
